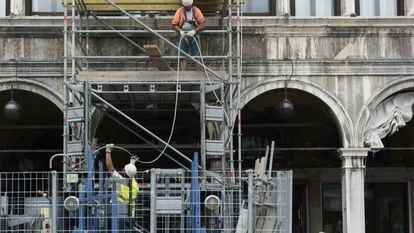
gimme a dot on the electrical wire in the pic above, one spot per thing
(205, 70)
(175, 111)
(117, 147)
(210, 82)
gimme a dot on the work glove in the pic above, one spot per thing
(109, 147)
(133, 159)
(182, 33)
(191, 33)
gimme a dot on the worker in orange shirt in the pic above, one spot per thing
(188, 20)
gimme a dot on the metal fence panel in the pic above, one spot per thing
(169, 200)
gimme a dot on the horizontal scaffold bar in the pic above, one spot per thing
(208, 6)
(139, 76)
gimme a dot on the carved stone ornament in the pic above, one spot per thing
(388, 117)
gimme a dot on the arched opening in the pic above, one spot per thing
(388, 179)
(309, 138)
(28, 143)
(306, 143)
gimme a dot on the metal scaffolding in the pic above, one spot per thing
(85, 91)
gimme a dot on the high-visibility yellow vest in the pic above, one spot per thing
(123, 191)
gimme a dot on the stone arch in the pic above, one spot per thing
(379, 96)
(343, 119)
(35, 87)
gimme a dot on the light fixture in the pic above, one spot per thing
(12, 109)
(286, 108)
(212, 203)
(71, 203)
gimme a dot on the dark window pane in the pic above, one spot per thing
(386, 208)
(332, 208)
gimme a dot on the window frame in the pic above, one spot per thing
(400, 8)
(336, 6)
(271, 11)
(30, 11)
(7, 12)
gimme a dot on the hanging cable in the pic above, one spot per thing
(205, 70)
(175, 111)
(209, 80)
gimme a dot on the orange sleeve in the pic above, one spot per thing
(198, 15)
(177, 18)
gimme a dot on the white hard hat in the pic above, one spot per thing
(130, 170)
(187, 2)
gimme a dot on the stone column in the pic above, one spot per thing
(17, 7)
(353, 178)
(409, 7)
(348, 7)
(282, 7)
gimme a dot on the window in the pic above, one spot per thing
(386, 207)
(379, 7)
(256, 7)
(332, 207)
(315, 7)
(4, 7)
(46, 6)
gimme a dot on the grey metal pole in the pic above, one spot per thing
(113, 30)
(73, 18)
(272, 151)
(144, 57)
(86, 104)
(163, 38)
(153, 195)
(230, 115)
(65, 88)
(203, 128)
(250, 192)
(140, 126)
(54, 201)
(239, 75)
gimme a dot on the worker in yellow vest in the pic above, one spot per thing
(126, 197)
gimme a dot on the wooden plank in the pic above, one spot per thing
(140, 76)
(155, 56)
(207, 6)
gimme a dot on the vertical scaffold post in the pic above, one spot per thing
(153, 216)
(203, 128)
(54, 201)
(195, 195)
(250, 201)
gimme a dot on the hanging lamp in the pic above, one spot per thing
(12, 109)
(285, 109)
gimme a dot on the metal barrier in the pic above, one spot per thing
(169, 200)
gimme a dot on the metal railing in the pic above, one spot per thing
(169, 200)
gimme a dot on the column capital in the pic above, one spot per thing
(353, 152)
(353, 158)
